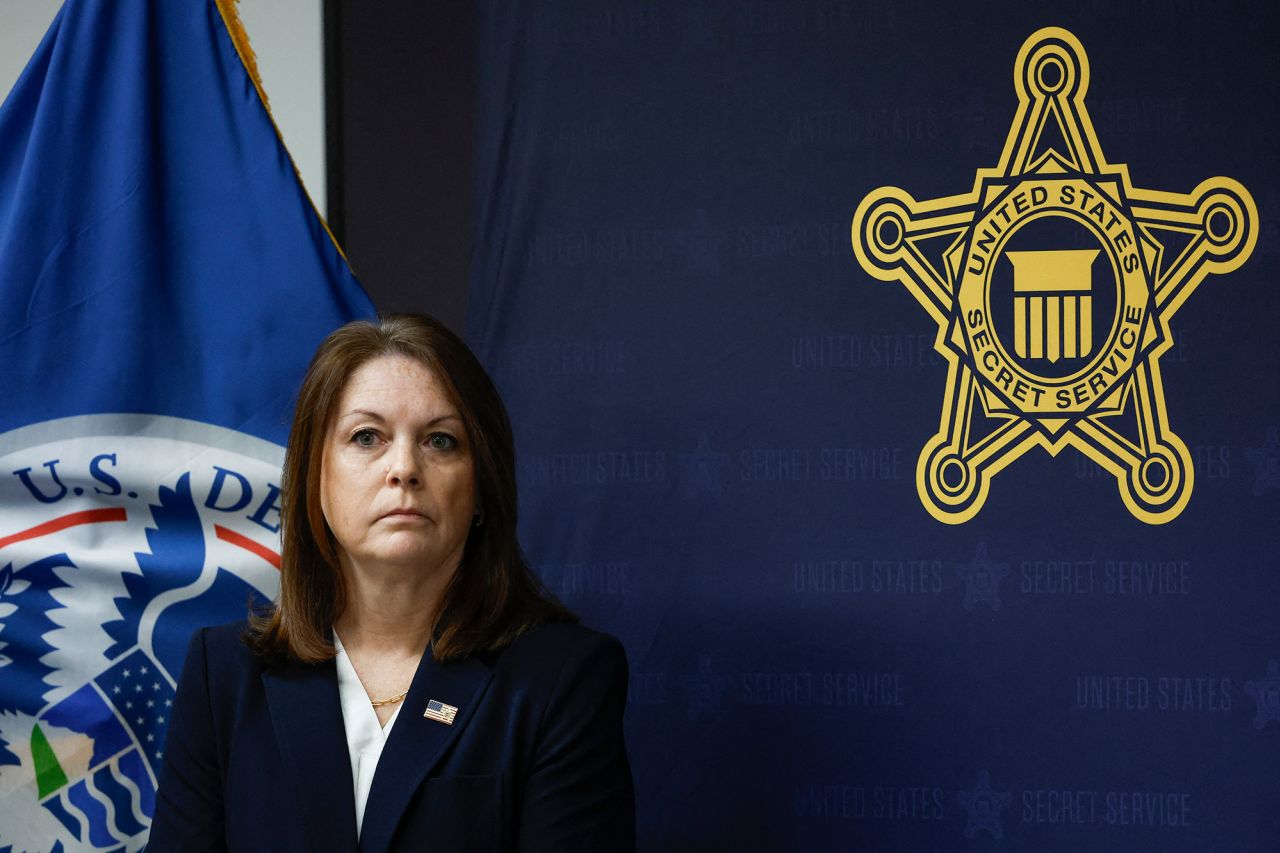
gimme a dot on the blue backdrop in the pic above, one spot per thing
(720, 409)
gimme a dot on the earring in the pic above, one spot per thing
(478, 518)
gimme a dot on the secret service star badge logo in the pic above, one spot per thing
(1053, 282)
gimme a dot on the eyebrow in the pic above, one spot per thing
(377, 417)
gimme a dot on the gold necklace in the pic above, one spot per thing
(378, 703)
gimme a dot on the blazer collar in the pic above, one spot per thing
(417, 743)
(306, 715)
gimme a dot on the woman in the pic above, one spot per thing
(410, 639)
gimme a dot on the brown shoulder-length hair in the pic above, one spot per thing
(493, 597)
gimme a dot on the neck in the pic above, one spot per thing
(390, 612)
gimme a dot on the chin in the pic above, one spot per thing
(418, 559)
(403, 552)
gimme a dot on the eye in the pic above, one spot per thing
(364, 438)
(441, 441)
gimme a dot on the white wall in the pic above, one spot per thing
(288, 38)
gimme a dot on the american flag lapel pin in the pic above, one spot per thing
(440, 712)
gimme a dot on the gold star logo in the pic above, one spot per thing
(1053, 282)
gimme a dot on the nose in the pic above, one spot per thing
(404, 470)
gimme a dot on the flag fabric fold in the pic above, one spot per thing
(150, 217)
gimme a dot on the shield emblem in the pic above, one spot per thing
(1052, 303)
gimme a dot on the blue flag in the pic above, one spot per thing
(164, 280)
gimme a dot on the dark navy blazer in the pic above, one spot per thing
(256, 756)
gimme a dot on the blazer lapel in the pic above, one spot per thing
(306, 715)
(416, 743)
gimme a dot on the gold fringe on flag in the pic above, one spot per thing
(240, 38)
(231, 17)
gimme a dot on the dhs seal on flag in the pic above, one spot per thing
(120, 533)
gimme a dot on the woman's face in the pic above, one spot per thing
(397, 482)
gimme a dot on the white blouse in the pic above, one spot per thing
(365, 735)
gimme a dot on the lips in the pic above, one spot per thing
(404, 513)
